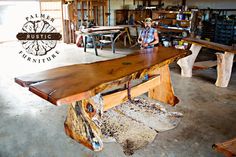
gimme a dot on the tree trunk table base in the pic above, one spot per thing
(83, 120)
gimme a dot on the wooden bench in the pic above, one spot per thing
(83, 86)
(224, 60)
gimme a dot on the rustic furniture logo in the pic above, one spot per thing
(38, 37)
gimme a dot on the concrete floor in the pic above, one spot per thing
(30, 126)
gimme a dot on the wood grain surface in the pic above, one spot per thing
(211, 45)
(67, 84)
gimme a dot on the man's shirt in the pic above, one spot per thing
(147, 35)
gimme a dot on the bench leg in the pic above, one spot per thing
(186, 63)
(95, 46)
(224, 68)
(163, 92)
(113, 43)
(85, 43)
(83, 122)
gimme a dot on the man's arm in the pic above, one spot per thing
(140, 40)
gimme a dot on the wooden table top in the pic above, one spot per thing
(211, 45)
(101, 28)
(98, 32)
(67, 84)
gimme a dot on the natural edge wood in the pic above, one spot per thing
(211, 45)
(224, 68)
(83, 122)
(84, 117)
(186, 63)
(46, 84)
(164, 92)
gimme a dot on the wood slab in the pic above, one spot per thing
(68, 84)
(211, 45)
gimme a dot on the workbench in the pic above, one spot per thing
(83, 87)
(99, 32)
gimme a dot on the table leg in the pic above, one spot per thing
(164, 92)
(113, 43)
(95, 46)
(83, 122)
(85, 43)
(224, 68)
(186, 63)
(128, 35)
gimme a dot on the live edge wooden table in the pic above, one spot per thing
(224, 60)
(83, 86)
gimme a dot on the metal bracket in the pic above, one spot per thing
(128, 87)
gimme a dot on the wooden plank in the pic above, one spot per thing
(103, 13)
(88, 11)
(98, 12)
(91, 10)
(228, 148)
(82, 11)
(211, 45)
(117, 98)
(67, 84)
(204, 64)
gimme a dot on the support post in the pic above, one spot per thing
(224, 68)
(164, 92)
(94, 45)
(186, 63)
(83, 122)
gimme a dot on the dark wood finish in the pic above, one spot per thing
(67, 84)
(211, 45)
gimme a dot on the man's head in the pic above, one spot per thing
(148, 22)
